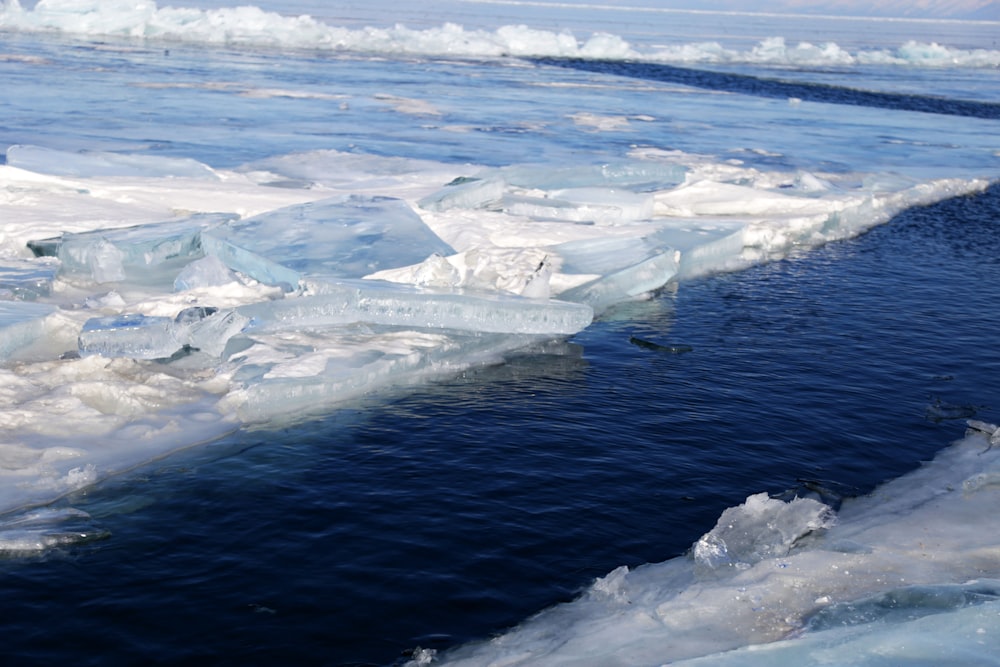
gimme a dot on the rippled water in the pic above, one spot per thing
(445, 514)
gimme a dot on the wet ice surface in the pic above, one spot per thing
(261, 235)
(248, 313)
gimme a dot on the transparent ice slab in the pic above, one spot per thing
(341, 237)
(361, 360)
(205, 272)
(385, 303)
(628, 268)
(627, 284)
(469, 193)
(147, 255)
(21, 323)
(104, 164)
(706, 246)
(139, 336)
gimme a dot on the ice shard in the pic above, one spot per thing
(340, 237)
(21, 323)
(760, 528)
(384, 303)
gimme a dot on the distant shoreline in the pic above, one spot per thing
(732, 12)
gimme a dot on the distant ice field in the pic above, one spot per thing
(221, 221)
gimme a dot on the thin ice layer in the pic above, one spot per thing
(341, 237)
(92, 164)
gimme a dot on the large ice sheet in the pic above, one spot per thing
(384, 303)
(341, 237)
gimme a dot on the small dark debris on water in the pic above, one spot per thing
(939, 411)
(658, 347)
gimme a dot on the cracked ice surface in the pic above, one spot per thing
(295, 283)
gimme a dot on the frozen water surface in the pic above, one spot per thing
(246, 216)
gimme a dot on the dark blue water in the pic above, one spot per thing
(783, 88)
(456, 510)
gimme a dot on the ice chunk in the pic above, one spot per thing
(605, 255)
(465, 193)
(623, 284)
(706, 246)
(378, 302)
(147, 337)
(760, 528)
(145, 254)
(103, 164)
(21, 323)
(131, 335)
(341, 237)
(26, 281)
(205, 272)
